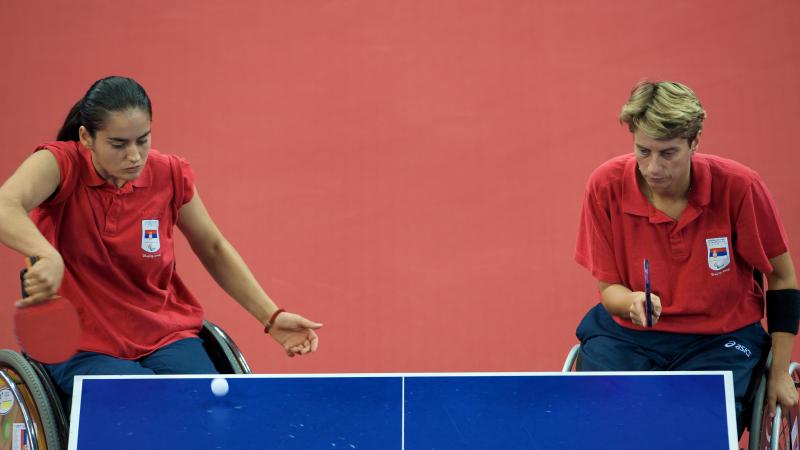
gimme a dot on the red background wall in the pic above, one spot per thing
(407, 172)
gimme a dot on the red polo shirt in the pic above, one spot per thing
(701, 265)
(117, 245)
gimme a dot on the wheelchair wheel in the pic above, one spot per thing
(27, 417)
(784, 436)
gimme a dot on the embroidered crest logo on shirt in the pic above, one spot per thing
(718, 253)
(150, 240)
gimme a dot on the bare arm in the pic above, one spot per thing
(783, 274)
(616, 298)
(31, 184)
(222, 261)
(295, 333)
(780, 386)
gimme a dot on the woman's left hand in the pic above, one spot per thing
(782, 391)
(295, 333)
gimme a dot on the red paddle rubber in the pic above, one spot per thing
(49, 331)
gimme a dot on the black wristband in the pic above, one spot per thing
(783, 310)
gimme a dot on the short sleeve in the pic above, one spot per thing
(759, 233)
(68, 161)
(594, 249)
(183, 179)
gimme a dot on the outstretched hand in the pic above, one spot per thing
(295, 333)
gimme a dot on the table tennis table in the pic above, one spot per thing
(602, 410)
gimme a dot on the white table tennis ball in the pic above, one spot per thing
(219, 386)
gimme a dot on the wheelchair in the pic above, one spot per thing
(765, 434)
(33, 413)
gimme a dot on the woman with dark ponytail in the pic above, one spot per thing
(104, 206)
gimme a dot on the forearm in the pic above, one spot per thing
(616, 299)
(782, 277)
(229, 270)
(19, 233)
(781, 351)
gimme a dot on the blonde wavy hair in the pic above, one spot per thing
(663, 110)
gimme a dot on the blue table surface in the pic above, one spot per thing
(419, 411)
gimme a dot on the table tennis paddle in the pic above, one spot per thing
(48, 331)
(648, 303)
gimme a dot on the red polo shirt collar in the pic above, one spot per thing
(635, 203)
(90, 177)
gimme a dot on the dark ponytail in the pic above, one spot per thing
(106, 95)
(69, 131)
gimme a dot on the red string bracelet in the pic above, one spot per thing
(271, 320)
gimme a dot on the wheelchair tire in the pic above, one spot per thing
(20, 370)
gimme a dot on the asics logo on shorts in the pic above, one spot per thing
(739, 347)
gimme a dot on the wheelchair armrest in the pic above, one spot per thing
(569, 363)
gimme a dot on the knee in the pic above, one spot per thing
(604, 354)
(182, 357)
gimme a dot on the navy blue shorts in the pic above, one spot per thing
(607, 346)
(186, 356)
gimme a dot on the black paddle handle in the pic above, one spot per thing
(29, 261)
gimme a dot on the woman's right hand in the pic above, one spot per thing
(42, 280)
(637, 308)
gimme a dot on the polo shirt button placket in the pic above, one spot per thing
(113, 213)
(678, 246)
